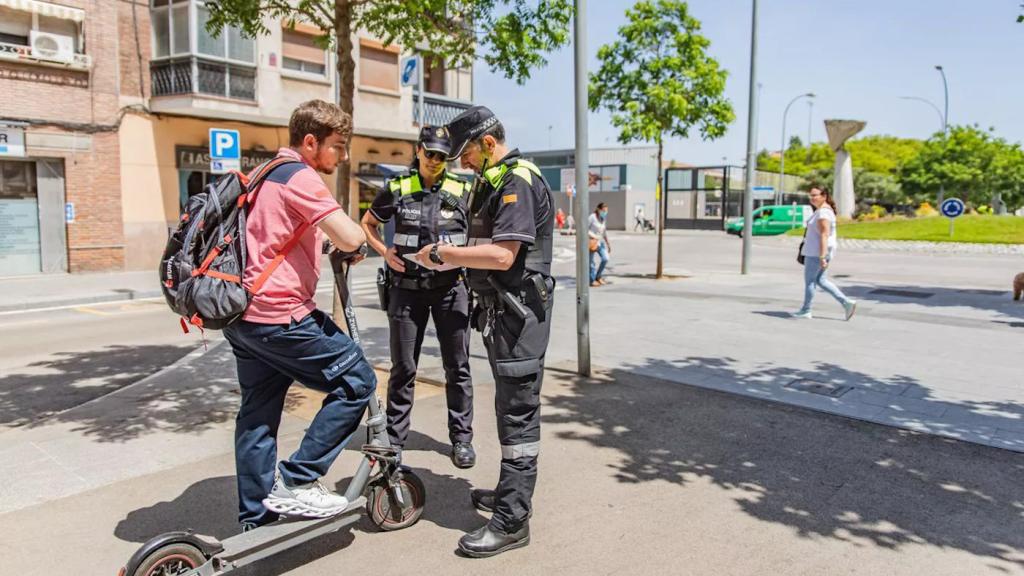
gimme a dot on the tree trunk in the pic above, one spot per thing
(662, 208)
(346, 96)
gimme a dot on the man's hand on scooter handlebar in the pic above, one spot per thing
(338, 257)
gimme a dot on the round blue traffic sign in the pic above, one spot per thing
(952, 207)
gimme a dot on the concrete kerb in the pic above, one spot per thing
(113, 298)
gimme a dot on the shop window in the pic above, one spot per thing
(378, 66)
(17, 180)
(15, 26)
(607, 179)
(301, 53)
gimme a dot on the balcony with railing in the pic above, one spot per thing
(437, 109)
(23, 54)
(195, 75)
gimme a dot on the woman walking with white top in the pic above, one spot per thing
(818, 249)
(599, 244)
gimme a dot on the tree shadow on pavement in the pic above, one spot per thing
(820, 475)
(70, 379)
(189, 398)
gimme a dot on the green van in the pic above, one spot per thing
(772, 220)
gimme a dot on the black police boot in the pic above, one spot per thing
(483, 499)
(487, 541)
(463, 455)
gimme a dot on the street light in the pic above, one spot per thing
(942, 120)
(782, 163)
(945, 93)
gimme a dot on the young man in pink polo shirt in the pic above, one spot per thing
(283, 337)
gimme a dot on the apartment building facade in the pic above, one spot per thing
(61, 77)
(175, 81)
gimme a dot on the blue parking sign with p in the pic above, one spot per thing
(225, 150)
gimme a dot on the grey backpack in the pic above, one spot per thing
(202, 266)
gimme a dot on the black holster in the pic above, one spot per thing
(384, 286)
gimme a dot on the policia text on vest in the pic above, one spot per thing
(508, 262)
(427, 205)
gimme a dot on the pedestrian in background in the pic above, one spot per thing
(559, 219)
(818, 250)
(597, 229)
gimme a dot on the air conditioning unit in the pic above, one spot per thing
(54, 47)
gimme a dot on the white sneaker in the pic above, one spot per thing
(851, 308)
(806, 315)
(311, 500)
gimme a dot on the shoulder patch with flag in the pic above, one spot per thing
(509, 198)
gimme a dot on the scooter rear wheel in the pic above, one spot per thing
(386, 513)
(171, 560)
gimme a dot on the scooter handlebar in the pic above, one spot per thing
(339, 258)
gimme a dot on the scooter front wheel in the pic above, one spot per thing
(171, 560)
(386, 512)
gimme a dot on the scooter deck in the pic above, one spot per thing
(248, 547)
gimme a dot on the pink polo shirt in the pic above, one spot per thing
(292, 196)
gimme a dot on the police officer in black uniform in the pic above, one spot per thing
(428, 205)
(508, 263)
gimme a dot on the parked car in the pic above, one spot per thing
(772, 220)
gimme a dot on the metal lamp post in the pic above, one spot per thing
(945, 94)
(782, 162)
(942, 120)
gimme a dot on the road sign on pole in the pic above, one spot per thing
(952, 208)
(410, 67)
(225, 150)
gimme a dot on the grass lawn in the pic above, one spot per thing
(975, 229)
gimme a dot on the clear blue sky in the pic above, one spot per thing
(859, 57)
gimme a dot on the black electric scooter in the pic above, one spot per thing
(392, 495)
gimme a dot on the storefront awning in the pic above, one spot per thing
(45, 9)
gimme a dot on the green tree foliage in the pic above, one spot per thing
(871, 187)
(800, 160)
(880, 154)
(972, 163)
(658, 81)
(511, 36)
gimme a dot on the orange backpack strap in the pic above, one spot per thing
(258, 284)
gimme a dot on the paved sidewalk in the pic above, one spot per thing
(638, 475)
(56, 290)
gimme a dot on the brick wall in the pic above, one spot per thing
(87, 104)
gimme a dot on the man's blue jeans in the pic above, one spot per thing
(597, 270)
(270, 357)
(814, 277)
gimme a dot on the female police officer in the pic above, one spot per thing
(428, 205)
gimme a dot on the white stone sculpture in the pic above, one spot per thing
(839, 131)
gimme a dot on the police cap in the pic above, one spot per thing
(435, 139)
(469, 126)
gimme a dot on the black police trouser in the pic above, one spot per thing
(516, 349)
(408, 312)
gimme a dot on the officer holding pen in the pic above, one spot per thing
(428, 205)
(508, 262)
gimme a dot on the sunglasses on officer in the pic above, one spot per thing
(435, 156)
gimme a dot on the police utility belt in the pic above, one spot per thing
(387, 279)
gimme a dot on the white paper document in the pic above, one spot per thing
(414, 258)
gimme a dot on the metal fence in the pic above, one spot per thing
(192, 75)
(437, 110)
